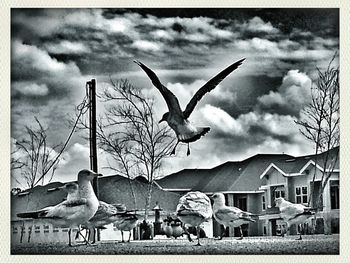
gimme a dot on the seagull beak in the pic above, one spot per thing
(96, 174)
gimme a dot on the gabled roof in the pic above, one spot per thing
(254, 166)
(112, 189)
(297, 165)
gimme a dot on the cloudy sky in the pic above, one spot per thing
(55, 51)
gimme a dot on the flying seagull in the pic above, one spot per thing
(176, 118)
(126, 222)
(293, 213)
(71, 213)
(105, 215)
(229, 215)
(193, 209)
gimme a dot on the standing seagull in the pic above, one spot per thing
(293, 213)
(71, 213)
(126, 222)
(193, 209)
(105, 215)
(176, 118)
(229, 215)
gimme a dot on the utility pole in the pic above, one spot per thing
(93, 142)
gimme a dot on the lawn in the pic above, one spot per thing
(317, 244)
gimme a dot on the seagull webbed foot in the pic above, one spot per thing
(188, 150)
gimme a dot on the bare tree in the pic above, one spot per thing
(38, 160)
(129, 132)
(319, 122)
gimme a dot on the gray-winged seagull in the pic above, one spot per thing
(193, 209)
(293, 213)
(105, 215)
(126, 222)
(71, 213)
(229, 215)
(176, 118)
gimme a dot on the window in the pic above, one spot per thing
(301, 195)
(279, 193)
(263, 200)
(37, 229)
(46, 229)
(334, 188)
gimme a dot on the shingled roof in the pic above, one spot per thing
(240, 176)
(112, 189)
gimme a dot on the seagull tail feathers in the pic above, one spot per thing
(35, 214)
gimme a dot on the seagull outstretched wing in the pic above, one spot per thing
(169, 97)
(210, 85)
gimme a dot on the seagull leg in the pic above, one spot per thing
(188, 149)
(299, 238)
(198, 232)
(223, 233)
(69, 239)
(86, 241)
(129, 235)
(93, 235)
(187, 234)
(122, 236)
(77, 234)
(173, 152)
(240, 230)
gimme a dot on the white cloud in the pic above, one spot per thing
(67, 47)
(30, 89)
(293, 94)
(146, 45)
(29, 58)
(283, 49)
(256, 24)
(222, 120)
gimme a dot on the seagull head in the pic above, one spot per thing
(165, 117)
(87, 175)
(218, 198)
(278, 201)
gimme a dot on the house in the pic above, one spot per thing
(112, 189)
(252, 185)
(298, 180)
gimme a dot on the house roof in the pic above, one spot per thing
(225, 177)
(112, 189)
(252, 167)
(184, 179)
(240, 176)
(297, 165)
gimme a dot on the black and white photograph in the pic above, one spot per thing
(175, 131)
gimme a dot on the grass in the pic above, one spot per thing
(317, 244)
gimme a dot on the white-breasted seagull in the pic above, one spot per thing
(193, 209)
(293, 213)
(229, 215)
(74, 212)
(176, 118)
